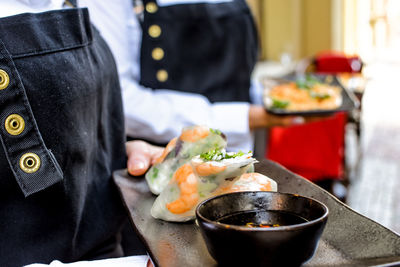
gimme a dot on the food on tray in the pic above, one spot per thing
(355, 82)
(250, 182)
(211, 173)
(303, 95)
(196, 166)
(193, 141)
(196, 180)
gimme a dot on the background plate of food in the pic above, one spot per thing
(307, 95)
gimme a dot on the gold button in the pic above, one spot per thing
(157, 53)
(151, 7)
(162, 75)
(4, 79)
(14, 124)
(154, 31)
(29, 162)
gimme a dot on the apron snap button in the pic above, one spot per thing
(29, 162)
(162, 75)
(157, 53)
(14, 124)
(154, 31)
(4, 79)
(151, 7)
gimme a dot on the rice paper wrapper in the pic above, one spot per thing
(194, 182)
(193, 141)
(250, 182)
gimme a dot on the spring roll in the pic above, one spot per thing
(194, 140)
(195, 181)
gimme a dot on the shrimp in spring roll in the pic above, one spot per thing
(194, 140)
(249, 182)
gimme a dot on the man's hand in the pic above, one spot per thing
(260, 118)
(140, 156)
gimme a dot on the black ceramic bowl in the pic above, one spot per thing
(222, 220)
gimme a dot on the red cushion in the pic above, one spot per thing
(336, 62)
(314, 150)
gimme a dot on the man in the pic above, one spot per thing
(186, 63)
(62, 135)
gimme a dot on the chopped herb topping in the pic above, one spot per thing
(218, 155)
(155, 172)
(215, 131)
(319, 96)
(307, 83)
(279, 103)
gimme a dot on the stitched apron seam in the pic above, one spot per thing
(50, 50)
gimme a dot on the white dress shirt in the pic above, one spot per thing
(177, 2)
(160, 115)
(13, 7)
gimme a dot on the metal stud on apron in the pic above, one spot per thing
(62, 135)
(206, 48)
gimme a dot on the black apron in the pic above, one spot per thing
(62, 135)
(203, 48)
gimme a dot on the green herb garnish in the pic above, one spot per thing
(218, 155)
(155, 173)
(301, 84)
(319, 96)
(215, 131)
(211, 155)
(238, 154)
(307, 83)
(279, 103)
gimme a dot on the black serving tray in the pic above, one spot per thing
(349, 100)
(349, 239)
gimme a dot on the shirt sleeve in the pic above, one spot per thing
(132, 261)
(160, 115)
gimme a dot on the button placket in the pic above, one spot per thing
(157, 53)
(33, 165)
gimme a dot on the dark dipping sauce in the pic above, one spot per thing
(263, 219)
